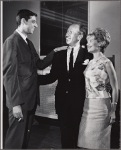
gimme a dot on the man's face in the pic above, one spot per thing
(72, 35)
(30, 25)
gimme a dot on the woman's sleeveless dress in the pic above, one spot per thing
(95, 128)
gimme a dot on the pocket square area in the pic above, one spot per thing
(86, 62)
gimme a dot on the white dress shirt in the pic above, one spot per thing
(22, 35)
(75, 53)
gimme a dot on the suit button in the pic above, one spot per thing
(66, 92)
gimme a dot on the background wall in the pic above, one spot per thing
(10, 9)
(106, 14)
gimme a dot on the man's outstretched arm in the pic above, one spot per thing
(42, 64)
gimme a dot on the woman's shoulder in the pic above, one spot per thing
(107, 62)
(105, 59)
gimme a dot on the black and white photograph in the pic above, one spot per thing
(60, 74)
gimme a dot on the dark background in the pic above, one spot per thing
(56, 18)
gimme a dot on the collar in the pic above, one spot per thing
(76, 47)
(21, 34)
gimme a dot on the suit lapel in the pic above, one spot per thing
(80, 56)
(24, 47)
(79, 59)
(21, 40)
(63, 63)
(65, 60)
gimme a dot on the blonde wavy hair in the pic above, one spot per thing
(102, 36)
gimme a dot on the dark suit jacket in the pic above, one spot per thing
(70, 90)
(20, 63)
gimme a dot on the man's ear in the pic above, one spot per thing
(80, 36)
(23, 21)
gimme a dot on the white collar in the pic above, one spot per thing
(76, 47)
(21, 34)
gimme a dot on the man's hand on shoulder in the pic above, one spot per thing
(60, 48)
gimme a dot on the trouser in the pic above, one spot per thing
(69, 128)
(18, 133)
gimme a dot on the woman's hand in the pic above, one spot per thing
(112, 118)
(60, 48)
(112, 114)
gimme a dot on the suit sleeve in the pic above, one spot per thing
(42, 64)
(10, 73)
(52, 76)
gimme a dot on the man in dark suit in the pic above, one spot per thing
(70, 90)
(20, 64)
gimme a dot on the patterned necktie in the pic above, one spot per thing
(71, 61)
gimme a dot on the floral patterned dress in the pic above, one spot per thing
(97, 80)
(95, 128)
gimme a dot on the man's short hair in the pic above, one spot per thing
(83, 31)
(24, 13)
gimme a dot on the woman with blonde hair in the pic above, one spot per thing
(100, 103)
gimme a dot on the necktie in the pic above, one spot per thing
(71, 61)
(27, 41)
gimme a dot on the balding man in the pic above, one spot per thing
(68, 67)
